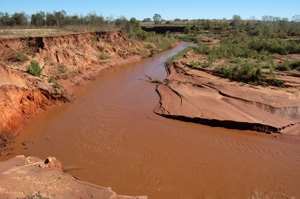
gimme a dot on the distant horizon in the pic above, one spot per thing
(168, 9)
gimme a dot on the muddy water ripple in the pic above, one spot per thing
(110, 136)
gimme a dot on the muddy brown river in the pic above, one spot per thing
(110, 136)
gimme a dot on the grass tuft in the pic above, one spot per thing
(34, 68)
(104, 56)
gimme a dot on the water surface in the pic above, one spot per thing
(110, 136)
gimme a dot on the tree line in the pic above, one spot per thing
(55, 19)
(268, 26)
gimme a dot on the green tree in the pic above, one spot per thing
(207, 25)
(74, 20)
(38, 19)
(60, 18)
(157, 18)
(147, 20)
(296, 18)
(19, 19)
(187, 28)
(135, 28)
(236, 21)
(121, 23)
(94, 19)
(50, 20)
(5, 19)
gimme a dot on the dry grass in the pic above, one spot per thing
(19, 33)
(9, 33)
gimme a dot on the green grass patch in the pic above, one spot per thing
(285, 66)
(54, 82)
(148, 46)
(176, 56)
(163, 42)
(34, 68)
(295, 65)
(250, 73)
(191, 37)
(104, 56)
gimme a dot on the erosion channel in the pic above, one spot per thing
(110, 136)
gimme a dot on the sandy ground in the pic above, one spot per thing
(197, 95)
(30, 177)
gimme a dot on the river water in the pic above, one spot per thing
(110, 136)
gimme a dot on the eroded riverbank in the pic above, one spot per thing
(110, 136)
(65, 62)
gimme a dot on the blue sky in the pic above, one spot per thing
(168, 9)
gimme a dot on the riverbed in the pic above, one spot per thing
(110, 136)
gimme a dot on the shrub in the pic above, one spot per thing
(54, 82)
(165, 81)
(34, 68)
(163, 42)
(104, 56)
(275, 82)
(201, 49)
(285, 66)
(250, 73)
(148, 46)
(206, 64)
(295, 64)
(190, 37)
(181, 53)
(20, 56)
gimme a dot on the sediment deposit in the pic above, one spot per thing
(197, 95)
(31, 177)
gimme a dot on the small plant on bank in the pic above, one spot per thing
(285, 66)
(181, 53)
(54, 82)
(295, 65)
(206, 64)
(166, 82)
(154, 81)
(21, 57)
(34, 68)
(149, 46)
(104, 56)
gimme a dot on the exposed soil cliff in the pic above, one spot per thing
(197, 95)
(67, 62)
